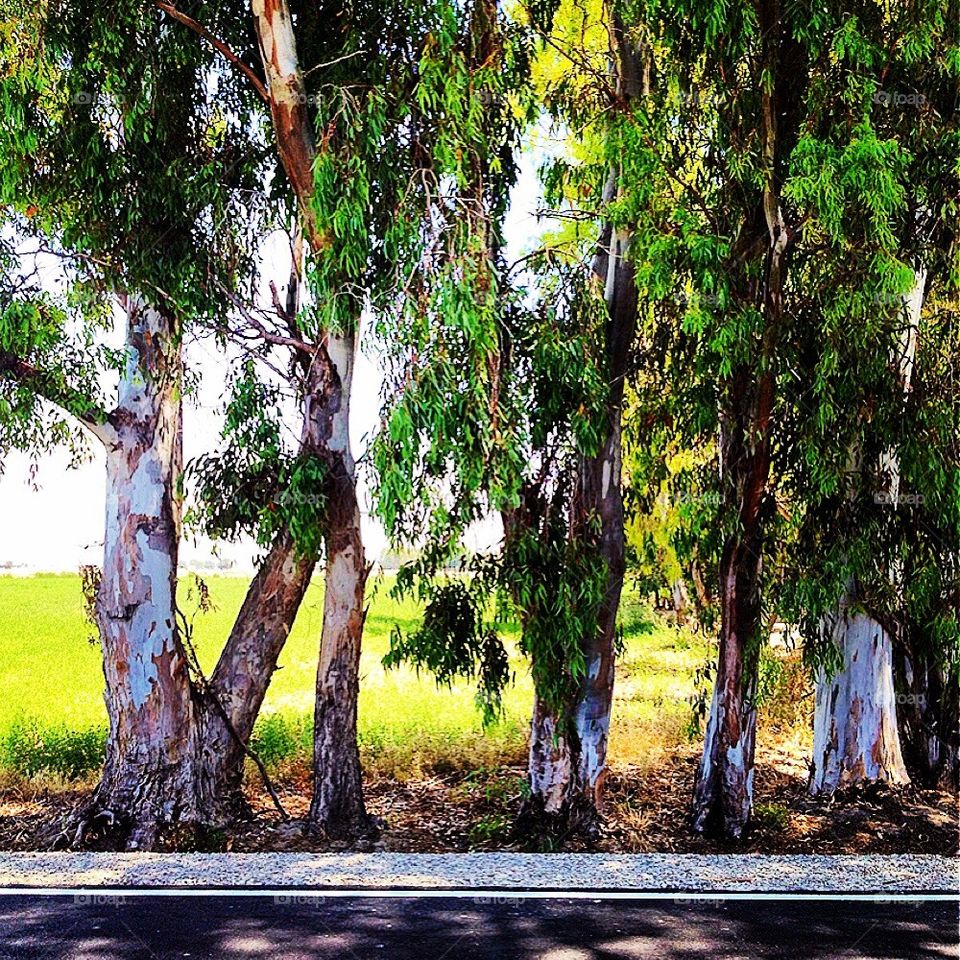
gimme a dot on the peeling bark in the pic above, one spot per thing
(337, 805)
(723, 795)
(337, 808)
(855, 738)
(149, 777)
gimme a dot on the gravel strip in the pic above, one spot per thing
(491, 871)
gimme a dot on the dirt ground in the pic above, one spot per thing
(645, 811)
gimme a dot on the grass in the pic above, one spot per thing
(52, 717)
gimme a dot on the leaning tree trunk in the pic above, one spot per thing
(337, 808)
(149, 776)
(243, 673)
(855, 738)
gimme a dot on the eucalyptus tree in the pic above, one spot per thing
(568, 746)
(867, 529)
(366, 108)
(123, 162)
(508, 403)
(766, 207)
(918, 103)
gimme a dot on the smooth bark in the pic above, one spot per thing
(723, 795)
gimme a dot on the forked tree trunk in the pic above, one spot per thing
(243, 673)
(248, 660)
(855, 738)
(337, 806)
(149, 777)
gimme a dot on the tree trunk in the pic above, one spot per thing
(723, 795)
(855, 737)
(580, 756)
(337, 808)
(855, 733)
(149, 777)
(243, 673)
(929, 714)
(550, 767)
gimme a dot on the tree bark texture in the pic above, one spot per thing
(149, 776)
(337, 806)
(855, 738)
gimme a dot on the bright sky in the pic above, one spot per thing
(59, 525)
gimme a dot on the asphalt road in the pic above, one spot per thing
(294, 927)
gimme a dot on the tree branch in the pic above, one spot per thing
(70, 400)
(218, 45)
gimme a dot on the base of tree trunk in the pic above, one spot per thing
(855, 731)
(155, 815)
(576, 819)
(352, 827)
(929, 713)
(723, 794)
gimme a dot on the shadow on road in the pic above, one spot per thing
(293, 927)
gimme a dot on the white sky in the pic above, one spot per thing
(59, 526)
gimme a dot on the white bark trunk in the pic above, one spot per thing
(549, 764)
(855, 736)
(148, 774)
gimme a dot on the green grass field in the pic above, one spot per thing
(52, 718)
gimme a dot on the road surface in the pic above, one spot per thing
(295, 926)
